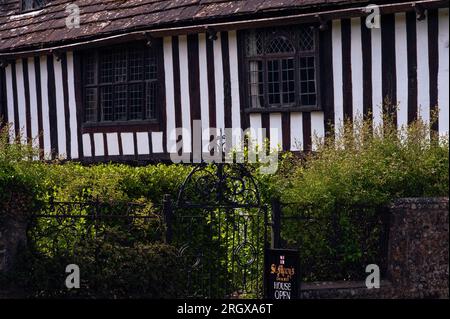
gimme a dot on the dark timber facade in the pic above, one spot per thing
(116, 87)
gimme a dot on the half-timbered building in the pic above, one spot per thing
(112, 79)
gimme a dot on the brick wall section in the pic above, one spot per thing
(417, 256)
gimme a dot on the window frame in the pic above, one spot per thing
(132, 125)
(245, 73)
(34, 8)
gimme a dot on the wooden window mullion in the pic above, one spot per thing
(97, 81)
(266, 82)
(127, 106)
(83, 91)
(280, 79)
(144, 85)
(143, 102)
(297, 79)
(145, 91)
(300, 46)
(317, 66)
(127, 79)
(113, 87)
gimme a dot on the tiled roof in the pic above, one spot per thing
(46, 27)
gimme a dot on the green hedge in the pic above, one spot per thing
(114, 181)
(367, 166)
(361, 169)
(107, 270)
(361, 166)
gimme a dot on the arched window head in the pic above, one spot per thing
(280, 44)
(282, 69)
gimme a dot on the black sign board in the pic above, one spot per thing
(282, 274)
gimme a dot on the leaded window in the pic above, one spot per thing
(120, 84)
(282, 67)
(28, 5)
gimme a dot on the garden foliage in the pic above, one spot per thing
(360, 166)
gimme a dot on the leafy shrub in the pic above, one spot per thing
(133, 263)
(362, 166)
(109, 182)
(107, 270)
(19, 176)
(349, 178)
(372, 167)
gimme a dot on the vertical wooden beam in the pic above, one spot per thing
(433, 62)
(52, 107)
(66, 104)
(307, 136)
(226, 78)
(389, 85)
(177, 85)
(366, 39)
(326, 78)
(347, 70)
(412, 65)
(77, 65)
(162, 111)
(211, 82)
(26, 83)
(242, 79)
(37, 71)
(3, 97)
(15, 101)
(286, 130)
(194, 83)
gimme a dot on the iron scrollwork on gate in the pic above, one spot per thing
(219, 227)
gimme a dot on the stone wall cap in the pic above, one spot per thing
(334, 285)
(420, 200)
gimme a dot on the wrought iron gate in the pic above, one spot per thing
(219, 225)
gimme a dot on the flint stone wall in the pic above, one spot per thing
(417, 256)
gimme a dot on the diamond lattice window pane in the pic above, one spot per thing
(306, 39)
(277, 75)
(280, 45)
(254, 43)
